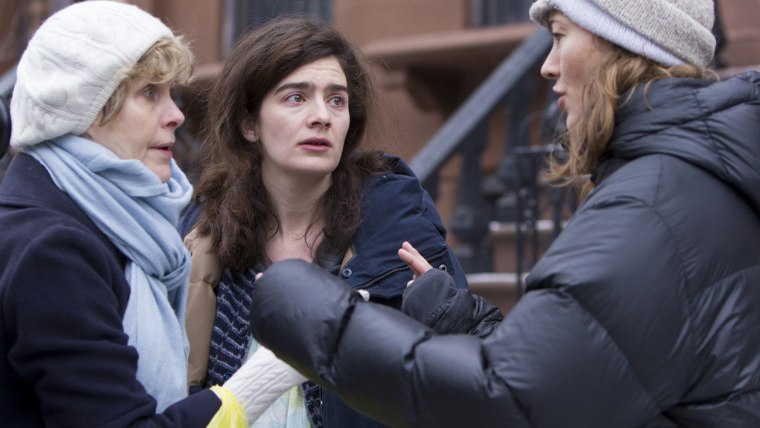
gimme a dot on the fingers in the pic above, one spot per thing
(416, 262)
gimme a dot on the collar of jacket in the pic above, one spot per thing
(712, 125)
(27, 184)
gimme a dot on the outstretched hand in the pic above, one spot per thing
(416, 262)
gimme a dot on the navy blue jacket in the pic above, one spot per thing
(395, 208)
(645, 312)
(65, 359)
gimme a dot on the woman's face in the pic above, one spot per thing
(303, 122)
(573, 62)
(144, 127)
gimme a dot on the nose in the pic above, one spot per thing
(320, 115)
(173, 116)
(550, 67)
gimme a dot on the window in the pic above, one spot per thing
(487, 13)
(242, 15)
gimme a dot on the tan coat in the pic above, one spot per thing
(205, 273)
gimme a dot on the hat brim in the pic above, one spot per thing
(540, 10)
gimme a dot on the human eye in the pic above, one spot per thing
(150, 91)
(557, 34)
(294, 98)
(557, 38)
(338, 100)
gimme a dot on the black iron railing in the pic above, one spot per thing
(513, 194)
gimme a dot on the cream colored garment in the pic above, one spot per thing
(260, 381)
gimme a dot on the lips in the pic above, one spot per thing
(560, 98)
(166, 149)
(561, 103)
(315, 142)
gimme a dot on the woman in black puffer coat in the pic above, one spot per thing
(644, 311)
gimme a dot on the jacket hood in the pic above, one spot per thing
(713, 125)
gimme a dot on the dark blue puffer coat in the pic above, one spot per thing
(644, 312)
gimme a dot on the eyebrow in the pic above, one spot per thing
(554, 18)
(334, 87)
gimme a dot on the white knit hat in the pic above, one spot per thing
(670, 32)
(73, 64)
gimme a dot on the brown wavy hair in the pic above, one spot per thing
(237, 211)
(618, 76)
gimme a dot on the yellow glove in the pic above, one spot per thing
(230, 414)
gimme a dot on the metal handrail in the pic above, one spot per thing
(480, 104)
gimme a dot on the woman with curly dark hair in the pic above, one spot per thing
(284, 177)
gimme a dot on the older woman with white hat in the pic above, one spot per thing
(93, 274)
(643, 312)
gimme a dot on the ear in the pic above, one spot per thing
(248, 130)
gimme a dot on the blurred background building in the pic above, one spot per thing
(461, 101)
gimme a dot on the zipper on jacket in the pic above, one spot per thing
(393, 271)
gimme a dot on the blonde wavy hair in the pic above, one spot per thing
(168, 60)
(618, 76)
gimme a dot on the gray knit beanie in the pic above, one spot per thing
(73, 64)
(670, 32)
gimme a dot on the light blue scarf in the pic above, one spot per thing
(138, 213)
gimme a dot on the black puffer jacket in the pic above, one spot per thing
(644, 312)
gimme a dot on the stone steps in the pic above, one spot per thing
(501, 286)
